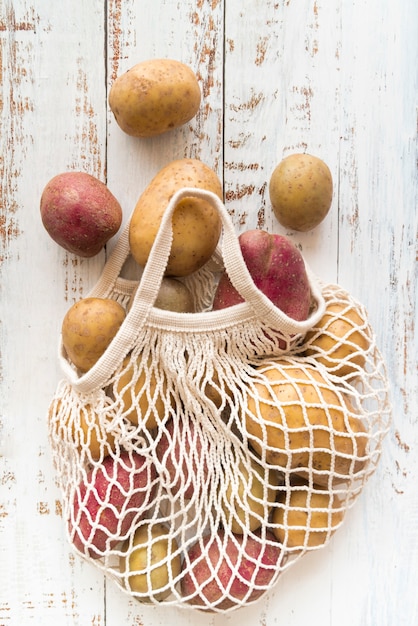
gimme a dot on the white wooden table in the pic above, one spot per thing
(334, 78)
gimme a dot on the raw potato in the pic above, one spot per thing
(84, 428)
(196, 224)
(306, 520)
(172, 296)
(300, 191)
(142, 399)
(340, 339)
(154, 97)
(306, 445)
(223, 570)
(245, 503)
(111, 497)
(80, 213)
(277, 269)
(151, 563)
(183, 453)
(88, 328)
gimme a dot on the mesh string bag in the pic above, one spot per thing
(205, 453)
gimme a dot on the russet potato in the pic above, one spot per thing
(196, 224)
(301, 423)
(88, 328)
(154, 96)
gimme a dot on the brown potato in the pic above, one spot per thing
(303, 424)
(249, 496)
(143, 403)
(340, 339)
(84, 428)
(300, 191)
(172, 296)
(88, 328)
(306, 520)
(154, 97)
(196, 224)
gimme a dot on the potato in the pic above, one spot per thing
(248, 496)
(172, 296)
(300, 189)
(196, 224)
(114, 494)
(277, 269)
(306, 520)
(142, 399)
(340, 339)
(154, 97)
(79, 213)
(183, 452)
(151, 563)
(88, 328)
(84, 428)
(224, 570)
(301, 423)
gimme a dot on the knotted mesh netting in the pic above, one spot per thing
(212, 450)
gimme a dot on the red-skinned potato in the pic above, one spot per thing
(181, 452)
(79, 213)
(208, 569)
(277, 269)
(106, 504)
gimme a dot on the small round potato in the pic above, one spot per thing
(196, 223)
(300, 191)
(154, 97)
(88, 328)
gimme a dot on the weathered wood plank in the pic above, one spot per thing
(53, 118)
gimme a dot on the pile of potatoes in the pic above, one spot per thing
(300, 435)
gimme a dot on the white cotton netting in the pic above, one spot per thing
(200, 471)
(219, 449)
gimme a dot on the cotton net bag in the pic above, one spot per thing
(205, 453)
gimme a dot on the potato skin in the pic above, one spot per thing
(154, 96)
(301, 191)
(196, 224)
(88, 328)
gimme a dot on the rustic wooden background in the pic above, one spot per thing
(334, 78)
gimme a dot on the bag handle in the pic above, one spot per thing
(150, 283)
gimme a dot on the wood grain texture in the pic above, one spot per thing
(336, 79)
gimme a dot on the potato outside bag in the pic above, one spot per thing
(185, 476)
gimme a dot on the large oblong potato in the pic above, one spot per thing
(196, 223)
(302, 423)
(154, 97)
